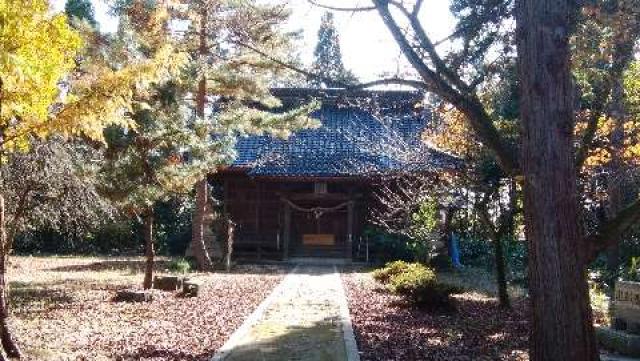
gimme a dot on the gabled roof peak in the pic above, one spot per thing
(384, 99)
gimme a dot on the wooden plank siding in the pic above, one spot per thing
(268, 227)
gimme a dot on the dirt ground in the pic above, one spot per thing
(62, 309)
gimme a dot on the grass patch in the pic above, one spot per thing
(180, 265)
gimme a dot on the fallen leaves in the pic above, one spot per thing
(63, 310)
(386, 329)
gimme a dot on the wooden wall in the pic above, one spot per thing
(255, 205)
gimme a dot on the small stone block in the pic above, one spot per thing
(190, 289)
(167, 283)
(133, 296)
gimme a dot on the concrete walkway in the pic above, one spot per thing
(305, 318)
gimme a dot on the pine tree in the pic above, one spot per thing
(174, 143)
(327, 61)
(81, 10)
(224, 36)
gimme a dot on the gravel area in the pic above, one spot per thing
(63, 310)
(387, 329)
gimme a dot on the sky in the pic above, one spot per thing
(367, 47)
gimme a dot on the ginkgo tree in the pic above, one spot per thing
(36, 51)
(43, 92)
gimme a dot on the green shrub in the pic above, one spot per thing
(180, 265)
(383, 275)
(418, 285)
(413, 276)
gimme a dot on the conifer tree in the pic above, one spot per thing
(327, 61)
(81, 10)
(175, 142)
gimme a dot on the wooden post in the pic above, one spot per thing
(149, 248)
(230, 239)
(259, 237)
(349, 250)
(287, 231)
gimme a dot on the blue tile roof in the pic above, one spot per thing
(350, 142)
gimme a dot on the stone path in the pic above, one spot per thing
(306, 318)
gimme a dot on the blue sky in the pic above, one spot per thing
(367, 48)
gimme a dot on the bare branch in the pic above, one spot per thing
(468, 103)
(416, 7)
(610, 232)
(425, 42)
(588, 136)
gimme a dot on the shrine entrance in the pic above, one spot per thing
(320, 227)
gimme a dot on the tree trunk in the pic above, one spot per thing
(198, 246)
(562, 327)
(501, 273)
(8, 343)
(200, 252)
(149, 249)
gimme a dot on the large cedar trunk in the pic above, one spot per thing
(149, 248)
(8, 343)
(562, 328)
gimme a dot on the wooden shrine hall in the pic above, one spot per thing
(309, 195)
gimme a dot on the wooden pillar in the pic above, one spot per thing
(259, 237)
(349, 250)
(287, 231)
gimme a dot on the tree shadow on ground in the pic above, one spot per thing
(153, 352)
(320, 341)
(38, 297)
(131, 265)
(138, 266)
(257, 268)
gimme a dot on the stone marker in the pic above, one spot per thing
(624, 336)
(133, 296)
(626, 307)
(168, 283)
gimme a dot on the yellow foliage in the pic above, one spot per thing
(603, 150)
(105, 97)
(454, 135)
(36, 51)
(39, 51)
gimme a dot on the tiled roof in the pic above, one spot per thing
(350, 142)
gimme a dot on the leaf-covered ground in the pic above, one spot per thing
(386, 329)
(62, 310)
